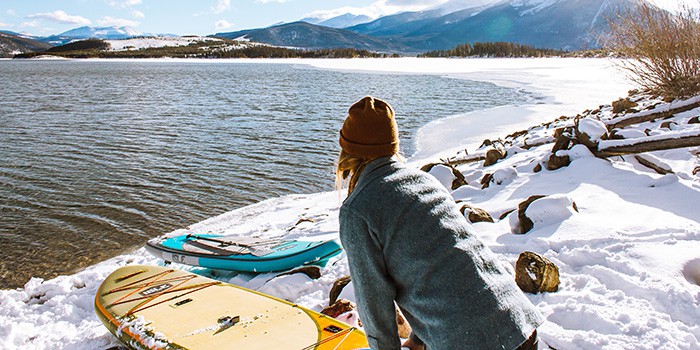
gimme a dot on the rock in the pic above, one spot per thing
(669, 125)
(536, 274)
(623, 105)
(475, 214)
(457, 180)
(403, 326)
(524, 223)
(339, 307)
(537, 168)
(556, 162)
(505, 214)
(338, 286)
(486, 180)
(696, 171)
(486, 143)
(314, 272)
(494, 155)
(694, 120)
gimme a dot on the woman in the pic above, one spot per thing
(407, 244)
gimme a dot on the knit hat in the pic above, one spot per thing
(370, 130)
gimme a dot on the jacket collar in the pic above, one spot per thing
(374, 169)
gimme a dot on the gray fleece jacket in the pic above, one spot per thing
(407, 242)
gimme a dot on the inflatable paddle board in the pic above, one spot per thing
(152, 307)
(241, 253)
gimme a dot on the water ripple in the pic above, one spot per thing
(98, 156)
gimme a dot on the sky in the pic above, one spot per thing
(203, 17)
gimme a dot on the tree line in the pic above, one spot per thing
(494, 49)
(97, 48)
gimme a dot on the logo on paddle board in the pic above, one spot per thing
(156, 289)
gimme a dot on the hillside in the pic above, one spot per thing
(556, 24)
(308, 36)
(12, 44)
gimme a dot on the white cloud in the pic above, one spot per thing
(30, 24)
(223, 24)
(124, 3)
(108, 21)
(61, 17)
(137, 14)
(222, 6)
(5, 25)
(11, 12)
(269, 1)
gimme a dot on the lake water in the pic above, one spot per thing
(96, 157)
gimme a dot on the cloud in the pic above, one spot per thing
(30, 24)
(11, 12)
(5, 25)
(221, 6)
(108, 21)
(269, 1)
(223, 24)
(61, 17)
(122, 4)
(137, 14)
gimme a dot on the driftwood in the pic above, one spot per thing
(656, 144)
(651, 165)
(649, 115)
(465, 160)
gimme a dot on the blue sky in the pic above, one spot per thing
(202, 17)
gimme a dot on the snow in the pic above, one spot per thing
(160, 41)
(628, 253)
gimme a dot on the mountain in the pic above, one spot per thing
(107, 33)
(557, 24)
(342, 21)
(311, 36)
(14, 43)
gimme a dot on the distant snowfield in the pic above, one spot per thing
(148, 42)
(629, 257)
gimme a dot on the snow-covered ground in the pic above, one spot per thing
(628, 256)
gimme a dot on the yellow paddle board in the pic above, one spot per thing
(153, 307)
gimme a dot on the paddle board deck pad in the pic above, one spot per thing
(239, 253)
(153, 307)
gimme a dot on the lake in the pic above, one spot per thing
(98, 156)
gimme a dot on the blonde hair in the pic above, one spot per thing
(350, 166)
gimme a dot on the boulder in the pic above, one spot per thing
(694, 120)
(536, 274)
(475, 214)
(338, 286)
(556, 162)
(493, 156)
(457, 179)
(339, 307)
(524, 223)
(623, 105)
(486, 180)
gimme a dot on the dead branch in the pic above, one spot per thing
(658, 144)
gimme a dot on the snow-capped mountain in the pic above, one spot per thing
(557, 24)
(112, 32)
(342, 21)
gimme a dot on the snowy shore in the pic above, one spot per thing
(628, 256)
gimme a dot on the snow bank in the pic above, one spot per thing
(628, 258)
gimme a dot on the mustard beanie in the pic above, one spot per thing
(370, 130)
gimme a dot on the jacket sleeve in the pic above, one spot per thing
(374, 290)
